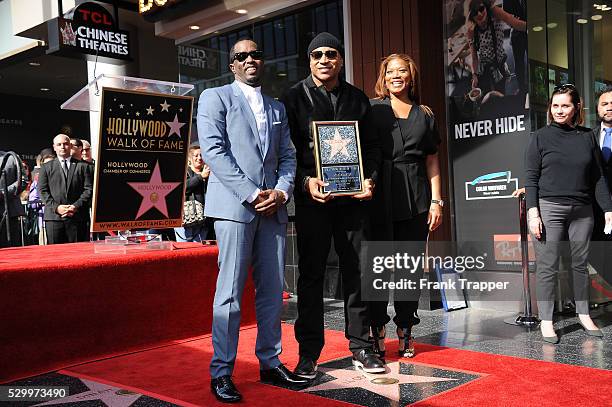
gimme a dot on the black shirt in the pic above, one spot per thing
(306, 102)
(403, 190)
(562, 165)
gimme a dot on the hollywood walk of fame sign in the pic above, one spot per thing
(403, 384)
(141, 163)
(338, 156)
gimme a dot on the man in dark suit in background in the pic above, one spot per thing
(599, 256)
(65, 186)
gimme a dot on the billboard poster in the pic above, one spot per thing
(488, 118)
(141, 163)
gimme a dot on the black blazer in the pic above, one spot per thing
(606, 166)
(53, 191)
(14, 186)
(304, 108)
(403, 190)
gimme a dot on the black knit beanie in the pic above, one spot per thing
(325, 39)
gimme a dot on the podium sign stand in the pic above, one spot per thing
(141, 159)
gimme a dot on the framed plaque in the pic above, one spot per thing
(338, 156)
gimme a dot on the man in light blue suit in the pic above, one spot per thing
(244, 136)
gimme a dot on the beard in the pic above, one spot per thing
(606, 121)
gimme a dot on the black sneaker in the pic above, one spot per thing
(368, 361)
(306, 368)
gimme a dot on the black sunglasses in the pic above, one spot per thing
(242, 56)
(330, 54)
(564, 86)
(478, 10)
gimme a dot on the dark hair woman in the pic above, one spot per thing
(563, 172)
(407, 203)
(485, 33)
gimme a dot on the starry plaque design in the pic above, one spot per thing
(403, 384)
(141, 162)
(338, 156)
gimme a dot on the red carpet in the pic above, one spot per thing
(179, 373)
(66, 304)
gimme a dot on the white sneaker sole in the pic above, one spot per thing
(359, 365)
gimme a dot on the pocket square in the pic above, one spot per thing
(273, 123)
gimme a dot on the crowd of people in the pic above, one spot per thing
(256, 153)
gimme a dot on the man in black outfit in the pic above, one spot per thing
(10, 205)
(600, 254)
(65, 186)
(323, 96)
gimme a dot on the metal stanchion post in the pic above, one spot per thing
(526, 319)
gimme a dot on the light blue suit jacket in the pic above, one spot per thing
(231, 146)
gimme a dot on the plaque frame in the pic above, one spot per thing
(320, 165)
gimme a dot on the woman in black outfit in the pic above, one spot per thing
(403, 208)
(197, 182)
(563, 171)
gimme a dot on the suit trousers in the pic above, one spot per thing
(315, 227)
(259, 244)
(410, 230)
(66, 231)
(561, 221)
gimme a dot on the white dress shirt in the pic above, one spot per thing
(61, 160)
(602, 134)
(255, 99)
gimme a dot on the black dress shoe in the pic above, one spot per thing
(280, 375)
(224, 390)
(306, 368)
(368, 361)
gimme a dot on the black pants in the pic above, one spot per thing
(411, 230)
(13, 223)
(66, 231)
(315, 227)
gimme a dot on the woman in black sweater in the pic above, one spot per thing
(407, 203)
(563, 172)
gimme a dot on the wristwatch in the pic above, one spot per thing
(438, 201)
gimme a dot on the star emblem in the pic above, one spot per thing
(150, 111)
(164, 106)
(121, 106)
(175, 126)
(338, 145)
(138, 114)
(153, 192)
(108, 395)
(347, 378)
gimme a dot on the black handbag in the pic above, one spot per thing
(193, 212)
